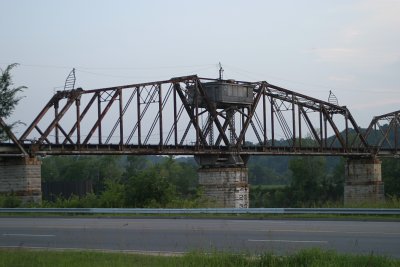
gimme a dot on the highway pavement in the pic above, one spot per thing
(174, 236)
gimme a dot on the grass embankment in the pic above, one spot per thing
(339, 217)
(311, 258)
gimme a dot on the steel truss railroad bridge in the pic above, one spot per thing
(221, 122)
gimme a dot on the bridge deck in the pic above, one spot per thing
(114, 149)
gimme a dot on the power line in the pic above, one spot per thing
(246, 73)
(111, 68)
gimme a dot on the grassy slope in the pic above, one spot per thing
(311, 258)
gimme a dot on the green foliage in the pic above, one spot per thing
(134, 165)
(8, 97)
(9, 201)
(310, 182)
(149, 189)
(309, 258)
(311, 185)
(69, 168)
(137, 181)
(198, 200)
(113, 195)
(264, 196)
(265, 170)
(183, 176)
(391, 176)
(88, 201)
(132, 181)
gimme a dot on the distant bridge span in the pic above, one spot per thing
(221, 122)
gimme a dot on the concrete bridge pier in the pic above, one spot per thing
(363, 180)
(224, 180)
(21, 176)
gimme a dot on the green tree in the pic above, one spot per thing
(182, 175)
(8, 97)
(113, 196)
(391, 176)
(135, 164)
(308, 180)
(149, 189)
(96, 169)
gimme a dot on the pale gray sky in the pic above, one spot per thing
(349, 47)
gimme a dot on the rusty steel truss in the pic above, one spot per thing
(163, 118)
(383, 133)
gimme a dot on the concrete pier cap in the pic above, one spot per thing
(363, 181)
(224, 179)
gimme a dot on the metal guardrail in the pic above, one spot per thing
(358, 211)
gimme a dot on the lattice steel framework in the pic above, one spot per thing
(383, 133)
(160, 118)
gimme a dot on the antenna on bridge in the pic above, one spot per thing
(70, 81)
(221, 71)
(332, 98)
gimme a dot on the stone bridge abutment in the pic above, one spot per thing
(21, 177)
(363, 181)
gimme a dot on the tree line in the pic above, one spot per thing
(156, 181)
(127, 181)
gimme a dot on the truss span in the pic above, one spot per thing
(180, 116)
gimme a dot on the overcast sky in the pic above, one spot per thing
(349, 47)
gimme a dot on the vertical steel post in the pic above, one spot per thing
(293, 122)
(326, 130)
(121, 119)
(138, 117)
(264, 117)
(56, 104)
(395, 131)
(175, 119)
(272, 123)
(346, 118)
(299, 116)
(160, 107)
(243, 122)
(321, 131)
(99, 116)
(78, 121)
(196, 95)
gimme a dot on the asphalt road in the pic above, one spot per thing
(182, 235)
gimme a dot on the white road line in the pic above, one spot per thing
(29, 235)
(287, 241)
(144, 252)
(326, 231)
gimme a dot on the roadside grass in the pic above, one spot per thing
(380, 217)
(344, 217)
(309, 258)
(391, 202)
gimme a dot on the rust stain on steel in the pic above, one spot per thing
(274, 110)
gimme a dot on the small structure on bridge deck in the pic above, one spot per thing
(223, 94)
